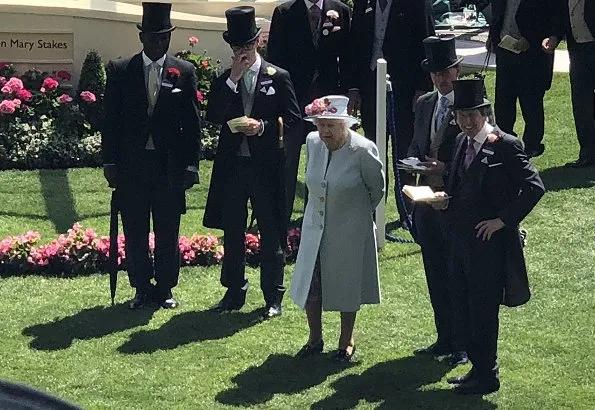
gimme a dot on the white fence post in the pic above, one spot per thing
(381, 143)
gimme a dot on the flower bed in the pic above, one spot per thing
(41, 124)
(81, 252)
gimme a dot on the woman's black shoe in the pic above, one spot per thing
(308, 351)
(342, 356)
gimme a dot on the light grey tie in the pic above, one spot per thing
(152, 94)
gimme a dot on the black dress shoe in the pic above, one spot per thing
(308, 351)
(581, 163)
(532, 153)
(342, 356)
(272, 311)
(232, 300)
(457, 358)
(478, 386)
(140, 300)
(433, 350)
(462, 379)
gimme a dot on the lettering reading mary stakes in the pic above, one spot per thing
(28, 45)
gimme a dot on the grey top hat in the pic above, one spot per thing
(440, 53)
(241, 26)
(156, 18)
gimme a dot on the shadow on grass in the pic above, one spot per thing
(87, 324)
(189, 327)
(58, 198)
(279, 374)
(396, 385)
(562, 178)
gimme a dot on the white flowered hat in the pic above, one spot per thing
(332, 107)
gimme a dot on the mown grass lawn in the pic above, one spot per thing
(61, 335)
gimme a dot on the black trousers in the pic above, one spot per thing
(476, 277)
(149, 193)
(582, 85)
(430, 227)
(293, 147)
(243, 184)
(404, 118)
(524, 77)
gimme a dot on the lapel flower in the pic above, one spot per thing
(271, 71)
(494, 137)
(332, 14)
(172, 73)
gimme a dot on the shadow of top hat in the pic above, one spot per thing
(469, 94)
(241, 26)
(441, 53)
(156, 18)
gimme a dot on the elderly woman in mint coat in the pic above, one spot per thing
(337, 263)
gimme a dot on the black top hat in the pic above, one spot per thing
(156, 18)
(440, 52)
(469, 94)
(241, 26)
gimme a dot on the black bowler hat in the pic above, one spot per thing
(440, 53)
(241, 26)
(469, 94)
(156, 19)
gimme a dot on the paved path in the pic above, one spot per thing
(471, 45)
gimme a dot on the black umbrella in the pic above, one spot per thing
(112, 263)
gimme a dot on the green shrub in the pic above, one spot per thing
(93, 79)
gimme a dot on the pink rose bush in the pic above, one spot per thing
(81, 251)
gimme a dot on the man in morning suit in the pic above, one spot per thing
(576, 22)
(523, 70)
(150, 146)
(393, 30)
(249, 163)
(310, 40)
(435, 131)
(493, 187)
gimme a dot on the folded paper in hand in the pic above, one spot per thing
(411, 164)
(421, 193)
(234, 123)
(513, 45)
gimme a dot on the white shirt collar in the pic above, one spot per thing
(481, 136)
(148, 61)
(256, 66)
(450, 96)
(311, 3)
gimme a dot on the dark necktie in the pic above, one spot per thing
(469, 153)
(315, 13)
(382, 4)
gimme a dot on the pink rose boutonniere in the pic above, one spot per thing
(172, 74)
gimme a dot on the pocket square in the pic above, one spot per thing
(263, 90)
(485, 160)
(176, 90)
(271, 91)
(497, 164)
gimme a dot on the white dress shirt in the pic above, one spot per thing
(481, 137)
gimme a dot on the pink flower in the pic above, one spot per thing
(193, 40)
(7, 107)
(17, 103)
(50, 84)
(24, 95)
(88, 96)
(64, 99)
(200, 96)
(63, 75)
(42, 90)
(12, 86)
